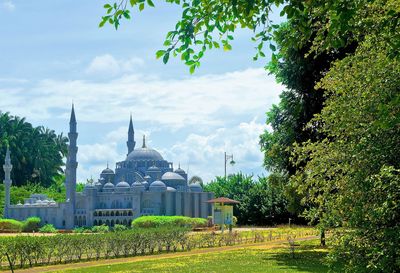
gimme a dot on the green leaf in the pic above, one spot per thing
(141, 6)
(150, 3)
(165, 58)
(227, 47)
(107, 6)
(192, 68)
(272, 47)
(126, 15)
(102, 23)
(160, 53)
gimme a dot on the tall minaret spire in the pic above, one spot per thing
(7, 167)
(131, 137)
(72, 164)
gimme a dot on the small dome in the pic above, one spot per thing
(107, 171)
(108, 186)
(171, 189)
(89, 186)
(172, 176)
(123, 184)
(157, 186)
(137, 186)
(179, 171)
(195, 187)
(147, 177)
(153, 169)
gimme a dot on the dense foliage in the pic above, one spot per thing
(262, 201)
(10, 225)
(168, 221)
(36, 152)
(48, 228)
(357, 165)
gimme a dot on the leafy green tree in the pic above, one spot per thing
(262, 202)
(351, 177)
(36, 152)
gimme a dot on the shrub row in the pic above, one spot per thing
(24, 251)
(168, 221)
(11, 225)
(31, 251)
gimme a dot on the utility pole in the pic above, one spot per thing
(228, 157)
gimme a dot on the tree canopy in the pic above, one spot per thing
(262, 201)
(36, 152)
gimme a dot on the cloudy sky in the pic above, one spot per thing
(53, 53)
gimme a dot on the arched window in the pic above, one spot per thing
(94, 214)
(112, 213)
(117, 221)
(112, 223)
(130, 213)
(95, 222)
(125, 213)
(100, 213)
(125, 222)
(107, 213)
(117, 213)
(107, 222)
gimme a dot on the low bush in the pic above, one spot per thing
(48, 228)
(31, 224)
(100, 229)
(168, 221)
(118, 227)
(82, 230)
(10, 225)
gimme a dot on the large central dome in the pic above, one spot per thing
(143, 154)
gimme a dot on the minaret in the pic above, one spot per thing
(72, 164)
(7, 167)
(131, 137)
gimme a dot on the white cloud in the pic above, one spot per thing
(107, 65)
(8, 5)
(210, 100)
(204, 154)
(212, 113)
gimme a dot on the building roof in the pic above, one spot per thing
(107, 171)
(123, 184)
(144, 154)
(172, 176)
(223, 200)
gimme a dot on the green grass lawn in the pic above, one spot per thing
(308, 258)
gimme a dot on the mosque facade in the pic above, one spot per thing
(142, 184)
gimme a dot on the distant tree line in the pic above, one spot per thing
(263, 201)
(36, 152)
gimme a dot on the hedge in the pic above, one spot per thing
(10, 225)
(31, 224)
(167, 221)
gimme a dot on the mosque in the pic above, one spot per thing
(143, 184)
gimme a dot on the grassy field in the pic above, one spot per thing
(308, 258)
